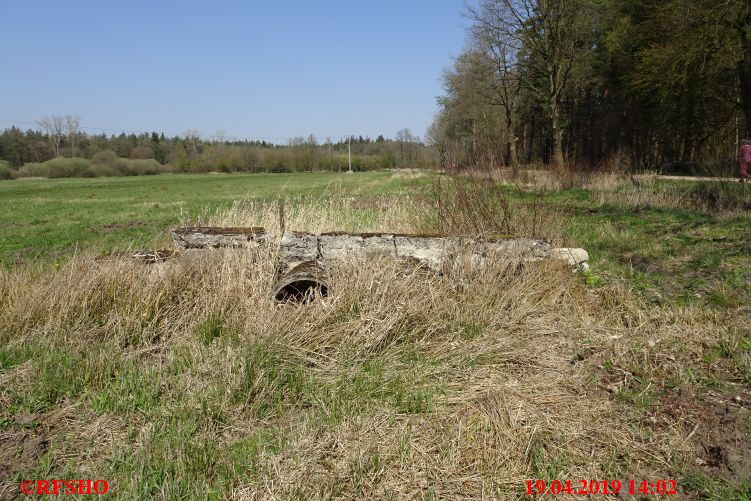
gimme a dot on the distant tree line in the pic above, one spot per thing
(582, 82)
(59, 148)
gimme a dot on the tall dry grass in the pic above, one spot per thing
(394, 213)
(471, 205)
(186, 379)
(394, 385)
(479, 205)
(721, 197)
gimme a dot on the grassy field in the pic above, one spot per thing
(675, 242)
(186, 381)
(51, 218)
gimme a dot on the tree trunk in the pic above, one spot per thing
(512, 154)
(530, 128)
(688, 131)
(511, 146)
(744, 80)
(555, 116)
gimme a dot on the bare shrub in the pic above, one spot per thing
(477, 205)
(141, 153)
(69, 167)
(5, 171)
(619, 162)
(104, 171)
(143, 167)
(58, 167)
(104, 157)
(107, 163)
(32, 169)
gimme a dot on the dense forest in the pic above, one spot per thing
(59, 148)
(590, 83)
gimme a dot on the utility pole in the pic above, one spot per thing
(349, 152)
(328, 142)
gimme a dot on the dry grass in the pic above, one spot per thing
(395, 386)
(476, 204)
(617, 186)
(321, 214)
(186, 380)
(726, 199)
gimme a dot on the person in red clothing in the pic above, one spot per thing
(745, 154)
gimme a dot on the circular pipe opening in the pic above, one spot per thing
(302, 290)
(303, 283)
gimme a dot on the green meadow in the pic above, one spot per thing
(53, 218)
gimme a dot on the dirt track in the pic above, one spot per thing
(692, 178)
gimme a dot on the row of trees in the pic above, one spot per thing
(578, 82)
(62, 136)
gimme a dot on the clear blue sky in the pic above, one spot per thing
(271, 69)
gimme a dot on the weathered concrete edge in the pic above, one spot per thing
(433, 250)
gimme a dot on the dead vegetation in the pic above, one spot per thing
(399, 386)
(184, 379)
(477, 204)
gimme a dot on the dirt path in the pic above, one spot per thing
(690, 178)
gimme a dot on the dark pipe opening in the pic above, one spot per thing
(303, 290)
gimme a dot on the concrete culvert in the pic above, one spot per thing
(302, 283)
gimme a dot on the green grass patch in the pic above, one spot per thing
(51, 219)
(270, 381)
(715, 489)
(377, 383)
(59, 374)
(131, 388)
(688, 256)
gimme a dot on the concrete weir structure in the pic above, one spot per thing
(304, 258)
(432, 251)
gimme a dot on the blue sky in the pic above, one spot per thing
(273, 69)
